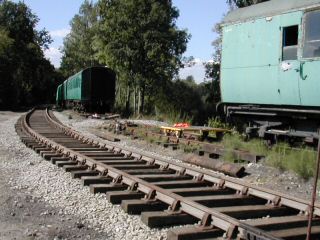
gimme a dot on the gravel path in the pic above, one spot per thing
(79, 214)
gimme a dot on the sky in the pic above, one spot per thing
(196, 16)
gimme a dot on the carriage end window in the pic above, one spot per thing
(290, 43)
(311, 46)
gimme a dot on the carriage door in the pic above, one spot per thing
(288, 74)
(310, 60)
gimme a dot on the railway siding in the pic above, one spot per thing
(227, 212)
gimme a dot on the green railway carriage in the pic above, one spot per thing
(64, 89)
(270, 67)
(92, 89)
(59, 95)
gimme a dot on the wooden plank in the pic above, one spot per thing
(103, 188)
(116, 197)
(295, 233)
(137, 206)
(194, 233)
(162, 219)
(278, 223)
(254, 211)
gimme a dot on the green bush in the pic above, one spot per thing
(215, 122)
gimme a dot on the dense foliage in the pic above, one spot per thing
(26, 77)
(139, 39)
(78, 45)
(244, 3)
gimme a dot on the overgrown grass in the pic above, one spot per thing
(140, 133)
(151, 139)
(172, 116)
(192, 148)
(302, 160)
(281, 156)
(237, 141)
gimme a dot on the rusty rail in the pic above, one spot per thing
(210, 217)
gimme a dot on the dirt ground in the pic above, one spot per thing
(23, 216)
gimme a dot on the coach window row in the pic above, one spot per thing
(311, 46)
(311, 39)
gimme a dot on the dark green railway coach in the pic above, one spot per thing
(92, 89)
(270, 68)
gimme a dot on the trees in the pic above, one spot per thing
(140, 40)
(5, 48)
(213, 68)
(244, 3)
(25, 75)
(5, 40)
(137, 38)
(78, 51)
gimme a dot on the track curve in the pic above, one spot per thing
(167, 193)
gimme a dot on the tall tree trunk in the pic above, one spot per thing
(139, 100)
(142, 94)
(128, 99)
(134, 100)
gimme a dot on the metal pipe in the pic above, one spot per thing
(314, 193)
(273, 109)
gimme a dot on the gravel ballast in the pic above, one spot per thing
(40, 201)
(92, 216)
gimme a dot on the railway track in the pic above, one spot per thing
(166, 193)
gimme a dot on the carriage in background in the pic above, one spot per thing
(92, 89)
